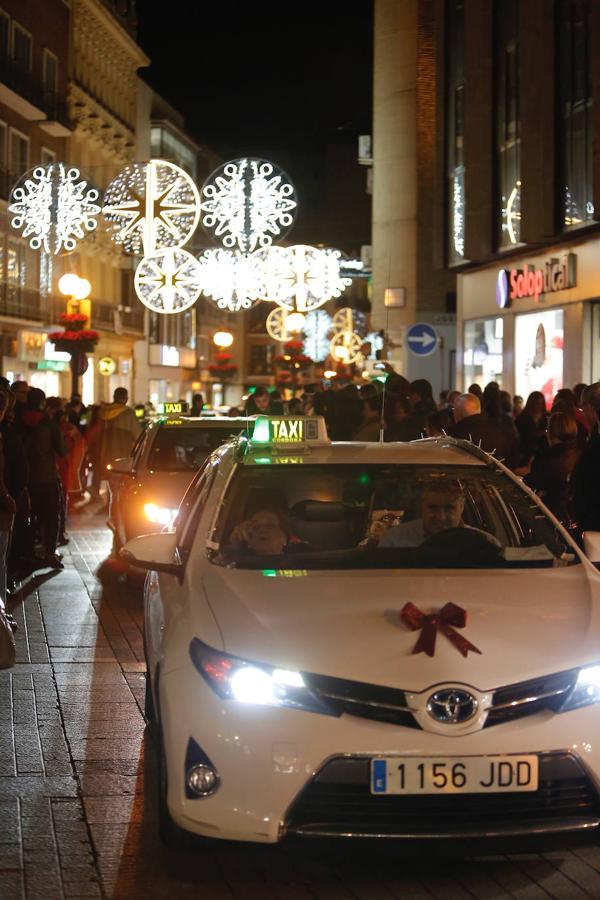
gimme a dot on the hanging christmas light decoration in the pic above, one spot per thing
(281, 324)
(150, 207)
(234, 280)
(168, 281)
(317, 327)
(54, 208)
(301, 277)
(346, 347)
(246, 203)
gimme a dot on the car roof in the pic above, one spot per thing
(429, 451)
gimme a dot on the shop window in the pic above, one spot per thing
(482, 351)
(508, 140)
(539, 353)
(575, 112)
(455, 188)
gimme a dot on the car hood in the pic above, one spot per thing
(347, 625)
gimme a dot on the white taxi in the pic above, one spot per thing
(369, 640)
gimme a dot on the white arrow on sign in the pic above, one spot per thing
(425, 339)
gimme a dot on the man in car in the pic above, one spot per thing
(441, 507)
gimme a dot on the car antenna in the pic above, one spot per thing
(385, 344)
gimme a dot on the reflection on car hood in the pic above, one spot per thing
(347, 625)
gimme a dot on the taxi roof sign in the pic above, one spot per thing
(289, 430)
(172, 408)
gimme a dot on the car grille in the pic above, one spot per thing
(338, 801)
(529, 697)
(385, 704)
(368, 701)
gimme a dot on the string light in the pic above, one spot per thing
(54, 208)
(233, 280)
(246, 203)
(169, 281)
(301, 278)
(150, 207)
(317, 327)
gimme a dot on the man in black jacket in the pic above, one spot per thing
(472, 426)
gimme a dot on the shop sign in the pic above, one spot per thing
(557, 274)
(52, 365)
(107, 365)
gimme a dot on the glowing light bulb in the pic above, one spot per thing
(223, 339)
(67, 284)
(295, 322)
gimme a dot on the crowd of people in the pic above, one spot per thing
(52, 455)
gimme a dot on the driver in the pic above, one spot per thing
(442, 505)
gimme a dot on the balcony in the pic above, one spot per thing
(106, 317)
(20, 303)
(24, 94)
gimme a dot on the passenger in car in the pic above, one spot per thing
(266, 533)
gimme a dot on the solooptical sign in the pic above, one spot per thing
(558, 274)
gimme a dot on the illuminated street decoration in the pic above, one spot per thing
(458, 210)
(54, 208)
(275, 324)
(511, 214)
(232, 279)
(317, 327)
(150, 207)
(572, 213)
(346, 347)
(246, 203)
(302, 278)
(169, 281)
(376, 343)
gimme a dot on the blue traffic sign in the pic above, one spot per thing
(421, 339)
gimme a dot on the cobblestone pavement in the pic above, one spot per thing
(77, 811)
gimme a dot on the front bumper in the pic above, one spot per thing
(284, 772)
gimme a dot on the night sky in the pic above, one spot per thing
(262, 78)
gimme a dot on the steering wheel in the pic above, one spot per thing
(462, 545)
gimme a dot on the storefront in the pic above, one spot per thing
(532, 324)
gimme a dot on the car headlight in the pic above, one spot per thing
(586, 689)
(159, 515)
(233, 678)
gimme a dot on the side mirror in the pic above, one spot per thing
(157, 552)
(123, 466)
(591, 545)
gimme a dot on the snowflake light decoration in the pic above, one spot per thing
(317, 327)
(246, 203)
(346, 347)
(169, 281)
(150, 207)
(302, 278)
(234, 280)
(54, 208)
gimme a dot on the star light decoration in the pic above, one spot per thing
(168, 281)
(301, 278)
(150, 207)
(246, 203)
(54, 208)
(233, 280)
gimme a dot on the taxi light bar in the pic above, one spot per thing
(172, 408)
(286, 430)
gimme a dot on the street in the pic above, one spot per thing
(77, 776)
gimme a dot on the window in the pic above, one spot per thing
(508, 150)
(455, 188)
(18, 153)
(50, 73)
(539, 339)
(21, 49)
(4, 36)
(5, 181)
(180, 449)
(482, 351)
(575, 112)
(177, 330)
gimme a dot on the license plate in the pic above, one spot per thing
(454, 774)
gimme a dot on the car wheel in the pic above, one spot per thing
(171, 834)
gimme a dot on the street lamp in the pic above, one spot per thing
(223, 339)
(77, 289)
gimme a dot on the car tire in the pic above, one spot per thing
(170, 833)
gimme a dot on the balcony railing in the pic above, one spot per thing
(21, 303)
(21, 81)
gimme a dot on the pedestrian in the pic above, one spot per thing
(197, 405)
(421, 396)
(439, 423)
(553, 465)
(477, 390)
(517, 405)
(261, 403)
(487, 433)
(93, 438)
(119, 429)
(20, 389)
(16, 477)
(370, 426)
(7, 509)
(43, 443)
(531, 427)
(585, 480)
(398, 422)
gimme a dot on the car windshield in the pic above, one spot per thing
(383, 516)
(181, 448)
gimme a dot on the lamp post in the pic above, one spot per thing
(224, 367)
(78, 291)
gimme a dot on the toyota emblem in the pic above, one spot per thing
(452, 706)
